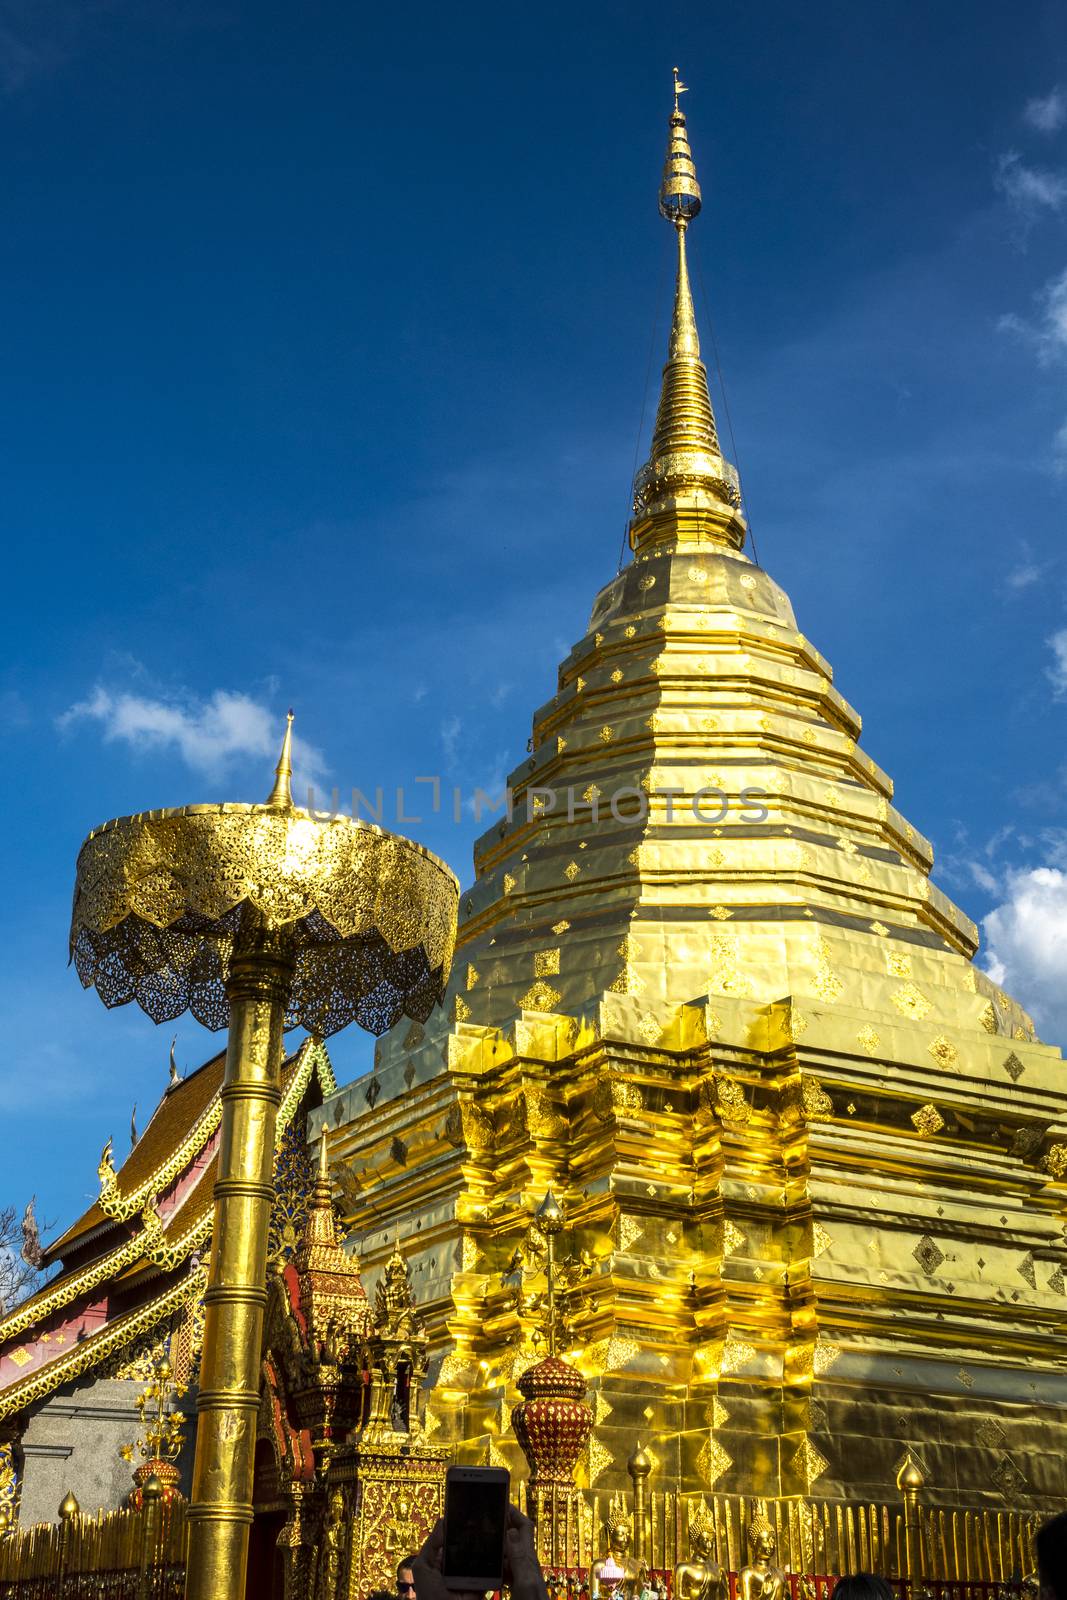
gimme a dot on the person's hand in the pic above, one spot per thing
(522, 1570)
(426, 1570)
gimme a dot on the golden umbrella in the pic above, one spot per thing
(263, 918)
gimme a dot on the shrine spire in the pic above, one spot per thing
(686, 491)
(282, 793)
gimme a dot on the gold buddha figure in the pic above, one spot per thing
(331, 1548)
(761, 1579)
(618, 1556)
(399, 1538)
(701, 1577)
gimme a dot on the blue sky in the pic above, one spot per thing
(326, 332)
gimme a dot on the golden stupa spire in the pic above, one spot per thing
(685, 491)
(282, 793)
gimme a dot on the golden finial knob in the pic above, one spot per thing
(282, 794)
(639, 1465)
(679, 193)
(910, 1476)
(548, 1216)
(70, 1507)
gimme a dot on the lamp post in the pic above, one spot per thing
(261, 917)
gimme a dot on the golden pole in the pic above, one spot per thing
(910, 1482)
(639, 1466)
(220, 1511)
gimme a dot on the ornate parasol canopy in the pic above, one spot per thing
(369, 917)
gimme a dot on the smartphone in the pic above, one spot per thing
(476, 1514)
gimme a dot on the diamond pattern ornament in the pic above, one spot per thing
(1055, 1163)
(736, 1353)
(910, 1001)
(816, 1101)
(1008, 1479)
(927, 1121)
(712, 1461)
(820, 1240)
(540, 997)
(928, 1255)
(630, 1230)
(649, 1028)
(991, 1435)
(944, 1053)
(808, 1463)
(826, 1353)
(732, 1238)
(599, 1460)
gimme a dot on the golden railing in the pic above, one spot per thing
(906, 1541)
(943, 1554)
(115, 1555)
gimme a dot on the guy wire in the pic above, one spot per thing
(644, 407)
(725, 404)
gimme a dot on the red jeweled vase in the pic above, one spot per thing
(553, 1422)
(169, 1479)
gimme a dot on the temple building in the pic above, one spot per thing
(132, 1272)
(812, 1159)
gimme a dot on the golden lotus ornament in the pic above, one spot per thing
(260, 917)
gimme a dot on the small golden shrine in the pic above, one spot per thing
(346, 1482)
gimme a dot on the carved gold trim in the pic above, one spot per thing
(100, 1345)
(148, 1241)
(36, 1310)
(121, 1207)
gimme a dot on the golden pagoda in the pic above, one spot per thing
(813, 1161)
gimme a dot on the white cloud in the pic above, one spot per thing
(451, 729)
(1047, 113)
(1057, 673)
(208, 734)
(1026, 946)
(1029, 190)
(1048, 335)
(982, 876)
(1026, 572)
(1059, 451)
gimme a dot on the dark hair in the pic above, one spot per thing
(408, 1562)
(381, 1594)
(862, 1586)
(1051, 1544)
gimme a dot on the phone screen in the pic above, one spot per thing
(475, 1517)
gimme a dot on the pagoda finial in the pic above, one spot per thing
(685, 491)
(282, 793)
(321, 1198)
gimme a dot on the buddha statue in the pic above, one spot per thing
(761, 1579)
(701, 1577)
(331, 1548)
(617, 1571)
